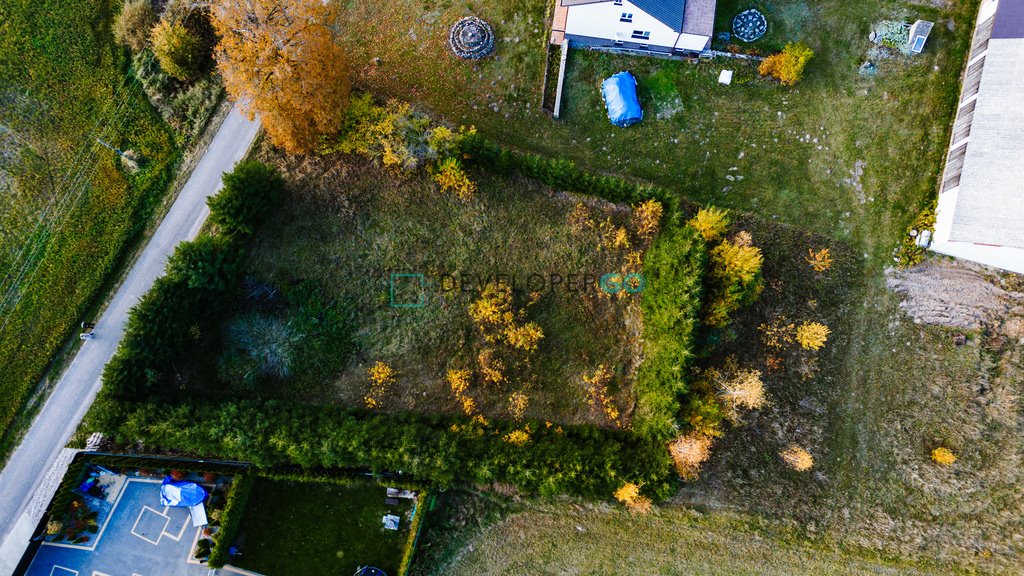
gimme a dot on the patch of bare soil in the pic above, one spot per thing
(960, 294)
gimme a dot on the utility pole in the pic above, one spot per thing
(128, 160)
(118, 151)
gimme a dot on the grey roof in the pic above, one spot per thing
(1009, 19)
(668, 12)
(690, 16)
(990, 202)
(700, 17)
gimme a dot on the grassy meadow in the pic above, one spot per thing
(347, 225)
(842, 160)
(786, 154)
(485, 534)
(68, 209)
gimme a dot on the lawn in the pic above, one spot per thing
(63, 83)
(485, 534)
(299, 528)
(788, 154)
(347, 225)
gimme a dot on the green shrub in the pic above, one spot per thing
(251, 191)
(231, 519)
(674, 270)
(194, 291)
(134, 23)
(179, 51)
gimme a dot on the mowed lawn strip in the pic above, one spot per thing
(468, 537)
(293, 528)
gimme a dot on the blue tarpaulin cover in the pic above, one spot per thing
(620, 98)
(181, 493)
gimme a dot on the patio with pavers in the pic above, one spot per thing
(139, 538)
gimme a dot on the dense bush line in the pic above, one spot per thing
(234, 510)
(674, 269)
(582, 460)
(191, 296)
(560, 173)
(196, 290)
(250, 193)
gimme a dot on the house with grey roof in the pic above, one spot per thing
(666, 26)
(980, 214)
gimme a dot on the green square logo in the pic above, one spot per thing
(407, 290)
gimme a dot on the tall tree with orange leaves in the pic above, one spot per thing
(280, 59)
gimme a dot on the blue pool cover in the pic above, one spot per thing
(620, 98)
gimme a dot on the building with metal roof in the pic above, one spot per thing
(980, 213)
(667, 26)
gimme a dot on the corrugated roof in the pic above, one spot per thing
(990, 202)
(668, 12)
(1009, 19)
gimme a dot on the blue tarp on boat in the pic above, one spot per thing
(620, 98)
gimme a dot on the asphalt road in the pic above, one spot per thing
(77, 387)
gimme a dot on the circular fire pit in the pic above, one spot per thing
(749, 25)
(471, 39)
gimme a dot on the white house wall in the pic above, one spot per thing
(601, 20)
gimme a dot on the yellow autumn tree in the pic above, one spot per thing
(711, 222)
(279, 59)
(943, 456)
(689, 452)
(647, 219)
(812, 335)
(820, 260)
(797, 458)
(787, 66)
(629, 494)
(381, 378)
(740, 390)
(452, 179)
(179, 51)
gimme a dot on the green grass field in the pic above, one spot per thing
(752, 146)
(489, 535)
(63, 83)
(308, 528)
(347, 225)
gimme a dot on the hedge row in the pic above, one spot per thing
(441, 450)
(674, 269)
(231, 520)
(560, 173)
(196, 289)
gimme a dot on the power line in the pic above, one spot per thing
(68, 200)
